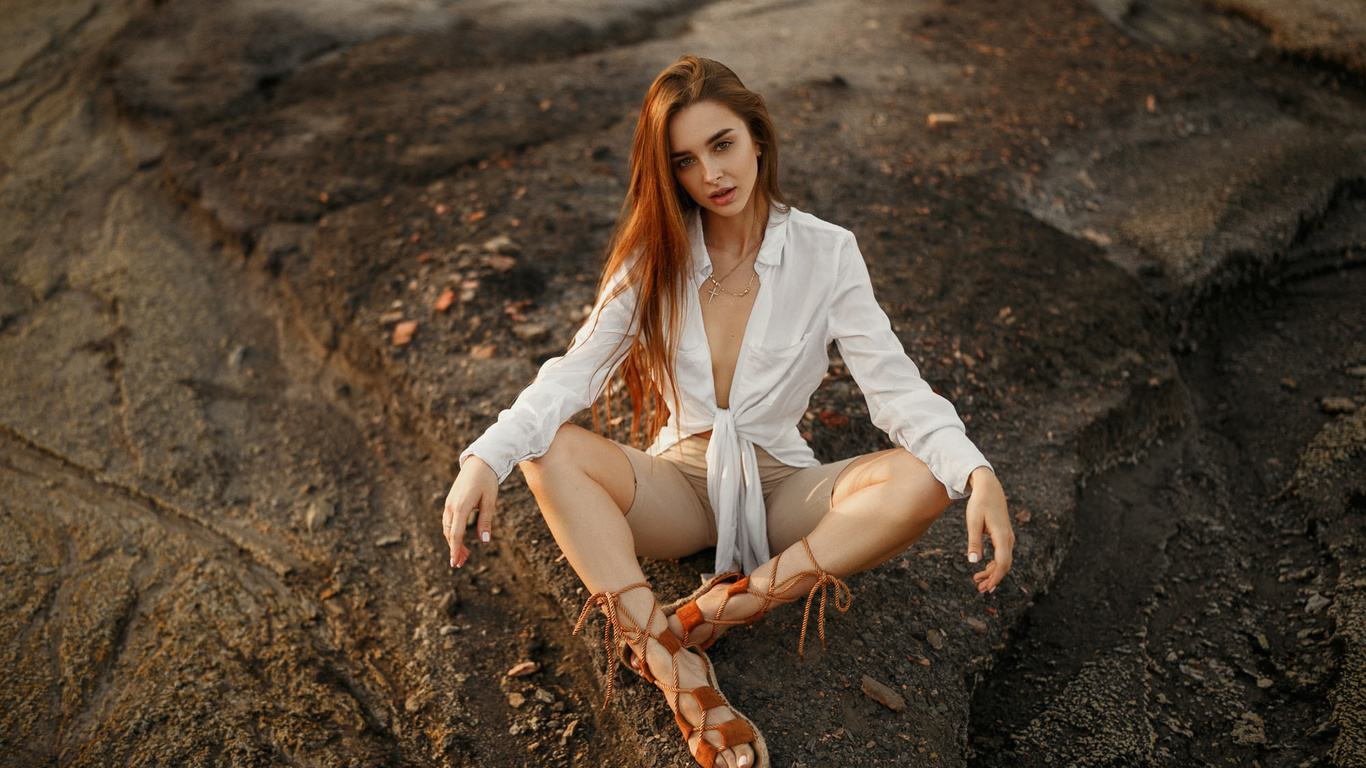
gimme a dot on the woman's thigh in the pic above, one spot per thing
(800, 501)
(668, 515)
(801, 507)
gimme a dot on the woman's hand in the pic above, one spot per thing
(987, 514)
(475, 490)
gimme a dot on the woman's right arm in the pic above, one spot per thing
(563, 387)
(475, 491)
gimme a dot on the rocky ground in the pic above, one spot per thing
(265, 268)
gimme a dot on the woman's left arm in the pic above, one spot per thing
(987, 514)
(907, 408)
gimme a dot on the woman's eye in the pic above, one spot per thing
(721, 146)
(685, 162)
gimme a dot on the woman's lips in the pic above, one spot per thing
(724, 197)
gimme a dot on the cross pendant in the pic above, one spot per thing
(714, 290)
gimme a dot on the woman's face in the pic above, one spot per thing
(714, 157)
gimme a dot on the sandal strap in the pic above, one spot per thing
(732, 732)
(690, 615)
(627, 630)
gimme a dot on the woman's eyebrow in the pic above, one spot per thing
(710, 141)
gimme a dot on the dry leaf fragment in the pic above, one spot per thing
(476, 216)
(937, 119)
(403, 332)
(483, 351)
(522, 669)
(444, 301)
(1023, 516)
(833, 420)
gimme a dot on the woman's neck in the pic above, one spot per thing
(732, 237)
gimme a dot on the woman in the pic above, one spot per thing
(717, 306)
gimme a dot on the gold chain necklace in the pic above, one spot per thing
(716, 284)
(716, 287)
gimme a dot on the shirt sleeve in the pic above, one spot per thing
(564, 386)
(900, 402)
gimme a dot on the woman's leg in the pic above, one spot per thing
(879, 505)
(584, 485)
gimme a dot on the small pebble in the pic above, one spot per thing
(568, 731)
(530, 332)
(883, 695)
(450, 604)
(1334, 405)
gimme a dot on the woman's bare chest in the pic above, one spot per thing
(724, 318)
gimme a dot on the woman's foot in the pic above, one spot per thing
(717, 735)
(686, 680)
(717, 610)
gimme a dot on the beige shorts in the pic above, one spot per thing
(671, 514)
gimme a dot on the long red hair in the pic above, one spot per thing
(650, 241)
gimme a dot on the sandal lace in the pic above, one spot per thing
(610, 604)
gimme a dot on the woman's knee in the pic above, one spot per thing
(913, 492)
(575, 454)
(558, 458)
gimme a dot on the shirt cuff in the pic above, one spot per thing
(952, 457)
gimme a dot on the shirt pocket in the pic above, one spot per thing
(779, 374)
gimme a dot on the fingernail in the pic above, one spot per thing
(993, 589)
(452, 562)
(743, 761)
(973, 557)
(484, 537)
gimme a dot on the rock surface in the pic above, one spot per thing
(220, 473)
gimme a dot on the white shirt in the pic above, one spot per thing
(814, 289)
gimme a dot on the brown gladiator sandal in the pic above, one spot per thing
(733, 732)
(629, 658)
(690, 615)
